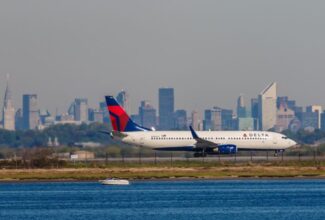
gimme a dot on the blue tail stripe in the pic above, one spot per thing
(110, 101)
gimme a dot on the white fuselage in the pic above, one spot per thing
(183, 140)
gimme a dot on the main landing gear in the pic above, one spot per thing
(277, 152)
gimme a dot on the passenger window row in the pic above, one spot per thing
(206, 138)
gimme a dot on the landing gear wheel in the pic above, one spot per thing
(276, 153)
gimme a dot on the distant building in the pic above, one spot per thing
(298, 112)
(227, 121)
(136, 118)
(241, 108)
(254, 108)
(284, 117)
(103, 108)
(71, 109)
(148, 115)
(65, 155)
(212, 119)
(8, 113)
(64, 117)
(295, 125)
(267, 107)
(218, 119)
(98, 116)
(180, 118)
(43, 115)
(245, 121)
(19, 122)
(123, 99)
(31, 116)
(246, 124)
(254, 113)
(81, 110)
(46, 119)
(196, 122)
(310, 119)
(318, 109)
(82, 155)
(166, 108)
(284, 99)
(323, 121)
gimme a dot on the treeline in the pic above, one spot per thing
(306, 137)
(66, 134)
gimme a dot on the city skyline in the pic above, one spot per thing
(202, 49)
(267, 110)
(133, 105)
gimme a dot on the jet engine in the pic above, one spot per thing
(226, 149)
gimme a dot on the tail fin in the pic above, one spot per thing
(120, 120)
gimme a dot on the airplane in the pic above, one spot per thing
(202, 143)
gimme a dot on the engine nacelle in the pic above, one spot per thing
(227, 149)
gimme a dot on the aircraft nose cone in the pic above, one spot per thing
(292, 143)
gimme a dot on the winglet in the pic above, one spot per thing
(194, 134)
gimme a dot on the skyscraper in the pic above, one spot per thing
(254, 113)
(254, 108)
(285, 99)
(318, 109)
(123, 99)
(81, 110)
(148, 115)
(196, 120)
(96, 115)
(180, 118)
(8, 113)
(166, 108)
(284, 117)
(31, 116)
(19, 121)
(227, 121)
(213, 119)
(323, 121)
(241, 108)
(71, 109)
(46, 119)
(267, 107)
(245, 124)
(310, 119)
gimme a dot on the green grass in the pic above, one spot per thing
(149, 172)
(195, 164)
(167, 170)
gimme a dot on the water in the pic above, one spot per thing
(229, 199)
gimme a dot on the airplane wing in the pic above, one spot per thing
(201, 143)
(208, 146)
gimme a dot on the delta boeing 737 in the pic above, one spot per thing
(202, 143)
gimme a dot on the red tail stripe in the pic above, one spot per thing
(121, 114)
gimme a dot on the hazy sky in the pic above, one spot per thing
(209, 51)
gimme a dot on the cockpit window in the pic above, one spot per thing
(284, 137)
